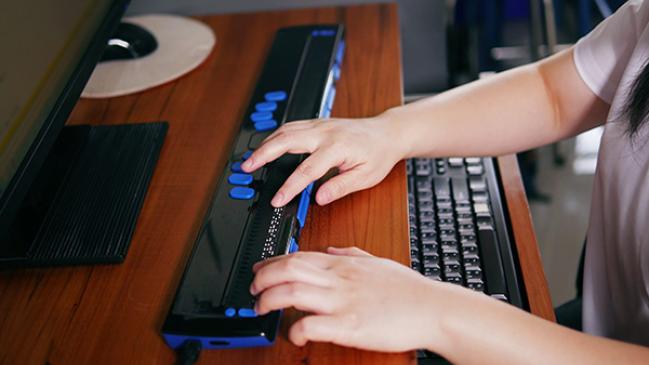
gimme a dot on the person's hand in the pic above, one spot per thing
(363, 150)
(356, 299)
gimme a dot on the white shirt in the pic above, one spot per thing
(616, 276)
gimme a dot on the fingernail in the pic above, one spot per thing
(253, 291)
(278, 199)
(247, 164)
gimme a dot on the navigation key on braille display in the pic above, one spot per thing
(247, 313)
(261, 116)
(240, 179)
(266, 125)
(239, 192)
(275, 95)
(266, 106)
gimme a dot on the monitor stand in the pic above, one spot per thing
(83, 206)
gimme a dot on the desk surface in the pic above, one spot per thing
(113, 314)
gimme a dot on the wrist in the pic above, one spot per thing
(452, 310)
(396, 133)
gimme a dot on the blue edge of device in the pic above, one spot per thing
(176, 341)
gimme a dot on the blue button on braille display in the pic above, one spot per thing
(236, 167)
(266, 106)
(303, 207)
(230, 312)
(260, 116)
(293, 246)
(246, 155)
(323, 32)
(275, 95)
(247, 313)
(336, 72)
(340, 53)
(266, 125)
(330, 98)
(240, 179)
(241, 193)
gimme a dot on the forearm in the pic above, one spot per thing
(515, 110)
(483, 331)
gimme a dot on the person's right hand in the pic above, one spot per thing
(363, 150)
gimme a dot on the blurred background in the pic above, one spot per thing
(446, 43)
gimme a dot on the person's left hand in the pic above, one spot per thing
(356, 299)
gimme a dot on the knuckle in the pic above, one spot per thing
(294, 290)
(292, 264)
(305, 169)
(304, 327)
(337, 187)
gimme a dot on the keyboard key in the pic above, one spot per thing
(481, 209)
(469, 247)
(475, 170)
(484, 222)
(442, 189)
(452, 266)
(480, 197)
(460, 189)
(433, 270)
(456, 162)
(472, 272)
(473, 160)
(492, 262)
(454, 277)
(477, 183)
(422, 167)
(431, 258)
(430, 248)
(471, 258)
(423, 185)
(475, 284)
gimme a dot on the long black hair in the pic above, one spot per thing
(636, 109)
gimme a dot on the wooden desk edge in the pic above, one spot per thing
(536, 286)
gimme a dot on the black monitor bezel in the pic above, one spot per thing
(17, 189)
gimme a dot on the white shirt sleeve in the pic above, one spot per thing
(602, 55)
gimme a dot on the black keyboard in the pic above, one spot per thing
(458, 231)
(458, 227)
(212, 304)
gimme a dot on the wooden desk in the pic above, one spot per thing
(113, 314)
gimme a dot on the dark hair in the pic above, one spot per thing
(636, 109)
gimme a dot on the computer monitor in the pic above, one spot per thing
(49, 49)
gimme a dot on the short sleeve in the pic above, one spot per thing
(602, 55)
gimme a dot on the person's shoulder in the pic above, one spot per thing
(637, 14)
